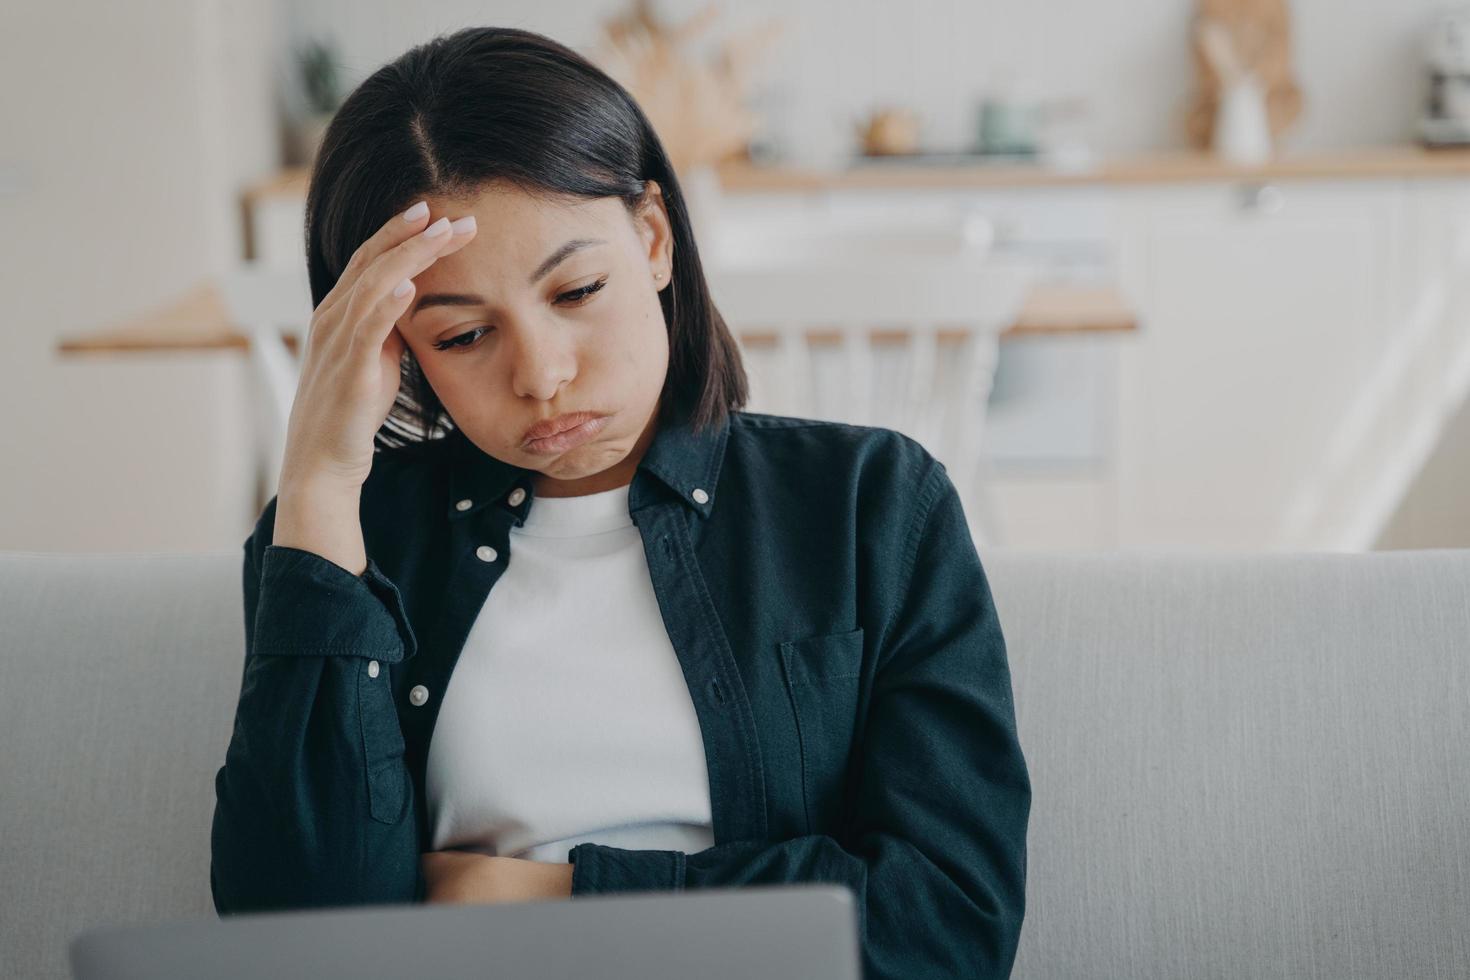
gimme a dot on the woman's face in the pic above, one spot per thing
(515, 328)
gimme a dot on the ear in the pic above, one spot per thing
(656, 232)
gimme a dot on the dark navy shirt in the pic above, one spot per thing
(821, 589)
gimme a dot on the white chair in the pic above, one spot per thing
(267, 302)
(930, 378)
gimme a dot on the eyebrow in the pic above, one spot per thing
(542, 271)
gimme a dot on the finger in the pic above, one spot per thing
(395, 230)
(394, 344)
(458, 241)
(381, 293)
(388, 286)
(409, 258)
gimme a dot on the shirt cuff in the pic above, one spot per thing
(599, 868)
(310, 605)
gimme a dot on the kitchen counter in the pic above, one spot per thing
(1149, 168)
(898, 173)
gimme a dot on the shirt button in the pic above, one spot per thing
(372, 668)
(465, 504)
(700, 495)
(419, 694)
(516, 496)
(486, 553)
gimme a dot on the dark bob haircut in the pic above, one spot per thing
(488, 104)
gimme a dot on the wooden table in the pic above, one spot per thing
(198, 321)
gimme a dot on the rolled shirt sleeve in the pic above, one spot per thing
(310, 606)
(314, 803)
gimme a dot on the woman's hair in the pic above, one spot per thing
(500, 104)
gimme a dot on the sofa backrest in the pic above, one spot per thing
(1243, 765)
(118, 680)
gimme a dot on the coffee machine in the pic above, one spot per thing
(1446, 121)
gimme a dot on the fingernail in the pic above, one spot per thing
(437, 228)
(463, 225)
(417, 211)
(403, 287)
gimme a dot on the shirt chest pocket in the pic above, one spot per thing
(822, 675)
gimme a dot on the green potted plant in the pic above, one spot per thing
(321, 85)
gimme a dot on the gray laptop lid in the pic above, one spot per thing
(776, 932)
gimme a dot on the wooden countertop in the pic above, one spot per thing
(1156, 168)
(1392, 161)
(198, 321)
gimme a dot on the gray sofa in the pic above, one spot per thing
(1243, 766)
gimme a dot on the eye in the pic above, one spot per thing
(460, 342)
(575, 297)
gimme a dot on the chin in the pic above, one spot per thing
(579, 462)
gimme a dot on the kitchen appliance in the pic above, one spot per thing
(1446, 121)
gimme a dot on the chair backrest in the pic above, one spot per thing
(903, 339)
(267, 303)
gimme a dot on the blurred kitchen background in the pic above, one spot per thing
(1162, 274)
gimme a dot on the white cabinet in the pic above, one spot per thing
(1302, 345)
(1262, 309)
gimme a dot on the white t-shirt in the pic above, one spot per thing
(567, 718)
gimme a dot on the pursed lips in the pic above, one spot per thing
(561, 423)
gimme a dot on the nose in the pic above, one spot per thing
(545, 359)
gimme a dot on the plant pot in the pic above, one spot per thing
(309, 133)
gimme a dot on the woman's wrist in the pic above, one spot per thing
(322, 519)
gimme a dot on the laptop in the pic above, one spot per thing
(798, 931)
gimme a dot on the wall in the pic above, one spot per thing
(1358, 60)
(128, 129)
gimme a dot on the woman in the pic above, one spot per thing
(691, 646)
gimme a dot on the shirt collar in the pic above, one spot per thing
(683, 460)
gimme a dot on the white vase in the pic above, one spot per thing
(1242, 127)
